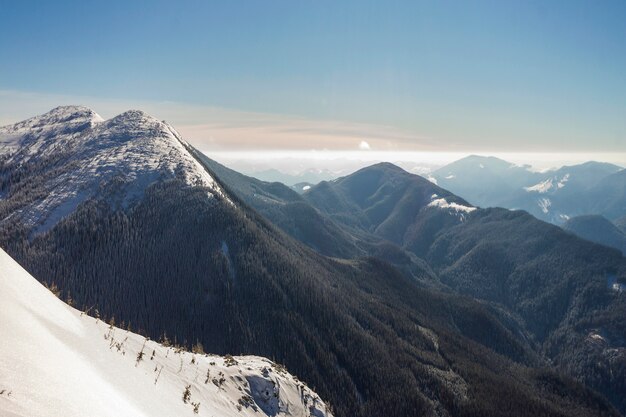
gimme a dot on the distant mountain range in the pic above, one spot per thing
(385, 292)
(312, 176)
(554, 196)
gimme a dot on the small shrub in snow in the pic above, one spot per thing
(198, 348)
(187, 394)
(53, 289)
(230, 361)
(141, 354)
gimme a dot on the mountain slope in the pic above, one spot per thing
(290, 212)
(597, 229)
(484, 181)
(562, 288)
(567, 291)
(287, 210)
(183, 259)
(608, 197)
(388, 202)
(58, 361)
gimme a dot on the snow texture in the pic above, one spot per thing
(57, 361)
(93, 156)
(542, 187)
(442, 203)
(544, 204)
(548, 184)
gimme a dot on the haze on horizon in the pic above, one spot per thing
(358, 78)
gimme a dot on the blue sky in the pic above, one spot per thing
(437, 75)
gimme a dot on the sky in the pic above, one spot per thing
(354, 75)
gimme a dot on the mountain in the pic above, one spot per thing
(484, 181)
(597, 229)
(566, 292)
(554, 195)
(288, 210)
(114, 159)
(147, 234)
(621, 224)
(608, 197)
(311, 176)
(479, 270)
(58, 361)
(390, 203)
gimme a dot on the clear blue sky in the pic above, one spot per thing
(482, 74)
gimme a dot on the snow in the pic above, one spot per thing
(548, 184)
(542, 187)
(451, 177)
(123, 155)
(57, 361)
(432, 179)
(306, 187)
(614, 285)
(544, 204)
(442, 203)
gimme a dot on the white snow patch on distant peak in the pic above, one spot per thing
(306, 187)
(544, 204)
(432, 179)
(442, 203)
(561, 183)
(451, 177)
(542, 187)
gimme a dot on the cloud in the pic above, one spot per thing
(364, 146)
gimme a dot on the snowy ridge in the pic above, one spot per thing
(542, 187)
(548, 184)
(57, 361)
(66, 119)
(124, 154)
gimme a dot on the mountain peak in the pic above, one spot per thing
(134, 115)
(68, 115)
(128, 152)
(386, 165)
(71, 111)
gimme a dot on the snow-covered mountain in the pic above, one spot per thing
(92, 157)
(58, 361)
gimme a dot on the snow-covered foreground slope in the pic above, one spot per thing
(57, 361)
(115, 159)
